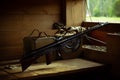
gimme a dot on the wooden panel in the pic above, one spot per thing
(12, 52)
(97, 56)
(101, 33)
(111, 27)
(10, 38)
(75, 12)
(113, 48)
(19, 17)
(111, 57)
(57, 68)
(30, 6)
(112, 39)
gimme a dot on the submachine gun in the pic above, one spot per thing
(28, 59)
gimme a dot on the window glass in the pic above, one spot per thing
(103, 10)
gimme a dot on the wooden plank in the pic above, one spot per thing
(9, 62)
(55, 69)
(98, 56)
(75, 12)
(101, 33)
(4, 75)
(109, 57)
(39, 21)
(31, 7)
(8, 53)
(19, 18)
(10, 38)
(113, 48)
(110, 28)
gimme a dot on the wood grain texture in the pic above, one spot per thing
(19, 17)
(75, 12)
(113, 48)
(57, 68)
(101, 33)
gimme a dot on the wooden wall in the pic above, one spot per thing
(19, 17)
(102, 34)
(75, 12)
(111, 35)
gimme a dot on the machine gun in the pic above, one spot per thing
(28, 59)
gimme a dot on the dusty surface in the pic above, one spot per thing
(41, 69)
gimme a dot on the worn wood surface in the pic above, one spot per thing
(18, 18)
(113, 48)
(75, 12)
(42, 70)
(101, 34)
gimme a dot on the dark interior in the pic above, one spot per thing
(18, 18)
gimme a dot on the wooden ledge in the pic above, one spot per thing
(54, 69)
